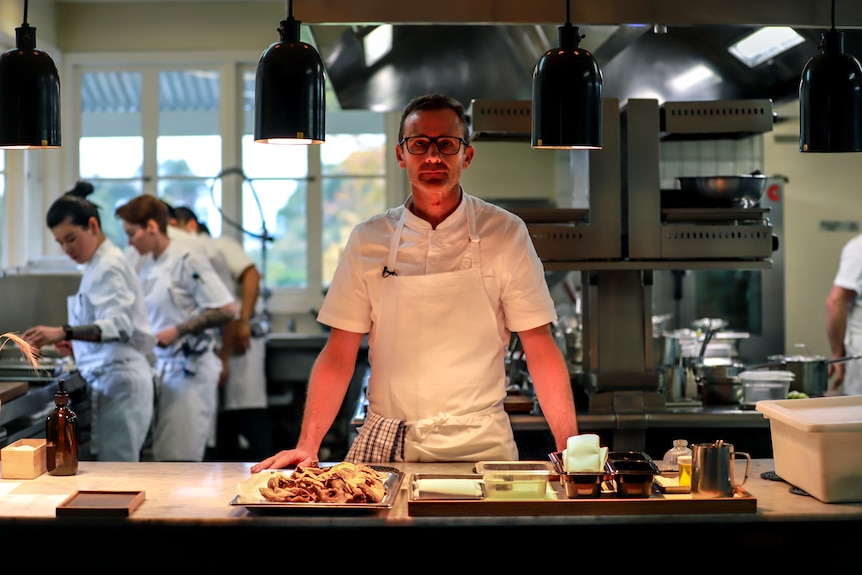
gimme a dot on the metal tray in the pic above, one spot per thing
(392, 482)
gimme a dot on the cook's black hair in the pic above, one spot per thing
(184, 215)
(74, 207)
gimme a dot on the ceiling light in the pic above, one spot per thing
(567, 95)
(830, 98)
(29, 94)
(290, 90)
(765, 43)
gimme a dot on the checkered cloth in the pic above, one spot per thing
(380, 439)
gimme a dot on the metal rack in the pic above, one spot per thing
(626, 235)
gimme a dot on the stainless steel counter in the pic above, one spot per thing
(23, 416)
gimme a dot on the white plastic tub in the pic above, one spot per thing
(817, 445)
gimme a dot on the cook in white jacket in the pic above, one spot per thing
(185, 297)
(108, 330)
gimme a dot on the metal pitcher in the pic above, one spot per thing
(713, 469)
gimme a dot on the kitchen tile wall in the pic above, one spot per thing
(709, 158)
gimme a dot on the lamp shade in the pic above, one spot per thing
(830, 99)
(29, 95)
(567, 96)
(290, 91)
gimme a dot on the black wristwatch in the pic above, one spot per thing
(67, 329)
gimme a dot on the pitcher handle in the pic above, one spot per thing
(747, 464)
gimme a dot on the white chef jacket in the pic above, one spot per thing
(116, 368)
(178, 285)
(849, 276)
(512, 271)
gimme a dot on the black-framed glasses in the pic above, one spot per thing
(446, 145)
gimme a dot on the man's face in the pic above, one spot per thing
(433, 171)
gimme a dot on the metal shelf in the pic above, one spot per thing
(658, 265)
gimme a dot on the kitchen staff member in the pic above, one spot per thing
(244, 432)
(184, 298)
(108, 331)
(844, 320)
(438, 284)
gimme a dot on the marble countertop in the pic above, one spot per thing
(187, 521)
(202, 492)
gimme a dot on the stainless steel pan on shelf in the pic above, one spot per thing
(742, 191)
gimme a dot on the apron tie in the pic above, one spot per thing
(422, 428)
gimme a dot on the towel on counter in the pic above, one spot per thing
(584, 453)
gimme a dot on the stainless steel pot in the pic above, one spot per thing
(811, 372)
(718, 381)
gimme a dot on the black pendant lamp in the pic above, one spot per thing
(830, 98)
(290, 90)
(567, 95)
(29, 94)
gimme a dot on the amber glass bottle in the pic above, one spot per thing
(61, 435)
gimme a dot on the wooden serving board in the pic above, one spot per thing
(101, 503)
(556, 503)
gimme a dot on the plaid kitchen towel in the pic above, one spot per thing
(380, 439)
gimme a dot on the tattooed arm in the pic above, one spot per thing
(196, 324)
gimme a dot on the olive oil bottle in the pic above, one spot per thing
(61, 435)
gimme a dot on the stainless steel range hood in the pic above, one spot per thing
(496, 61)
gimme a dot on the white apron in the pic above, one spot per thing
(121, 393)
(438, 362)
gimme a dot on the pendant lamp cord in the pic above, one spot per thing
(569, 11)
(833, 14)
(289, 6)
(26, 3)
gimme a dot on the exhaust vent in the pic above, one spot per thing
(500, 120)
(718, 119)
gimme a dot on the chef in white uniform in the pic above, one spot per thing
(438, 284)
(185, 298)
(243, 430)
(844, 321)
(108, 331)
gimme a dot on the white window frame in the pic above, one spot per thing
(230, 65)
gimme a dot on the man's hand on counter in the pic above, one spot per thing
(286, 458)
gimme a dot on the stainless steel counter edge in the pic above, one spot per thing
(39, 395)
(698, 418)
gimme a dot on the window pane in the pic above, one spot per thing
(272, 161)
(110, 157)
(353, 154)
(276, 209)
(202, 196)
(189, 155)
(189, 144)
(346, 202)
(110, 195)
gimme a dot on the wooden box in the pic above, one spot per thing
(24, 459)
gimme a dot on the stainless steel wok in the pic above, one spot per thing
(733, 191)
